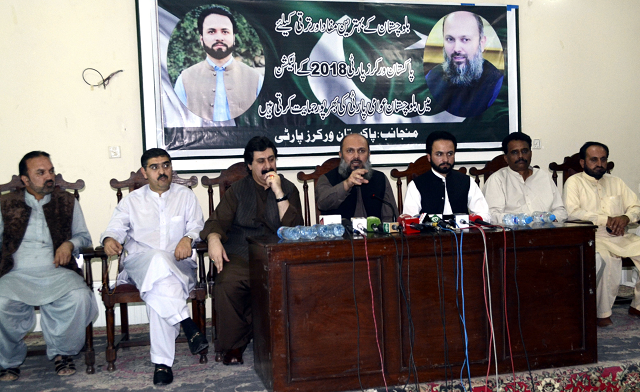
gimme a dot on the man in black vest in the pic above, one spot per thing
(258, 204)
(41, 228)
(354, 189)
(443, 190)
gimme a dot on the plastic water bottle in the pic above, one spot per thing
(523, 219)
(322, 230)
(289, 233)
(509, 220)
(307, 232)
(336, 230)
(543, 217)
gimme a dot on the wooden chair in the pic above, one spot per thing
(489, 168)
(235, 172)
(569, 167)
(327, 166)
(420, 166)
(128, 293)
(89, 356)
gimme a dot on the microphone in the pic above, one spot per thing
(477, 219)
(374, 196)
(347, 225)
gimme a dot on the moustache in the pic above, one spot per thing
(161, 176)
(219, 43)
(49, 183)
(265, 171)
(521, 160)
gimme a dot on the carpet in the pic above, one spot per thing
(618, 369)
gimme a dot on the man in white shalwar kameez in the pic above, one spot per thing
(520, 188)
(596, 196)
(158, 224)
(41, 228)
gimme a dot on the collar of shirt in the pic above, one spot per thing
(443, 178)
(31, 201)
(218, 68)
(156, 194)
(517, 175)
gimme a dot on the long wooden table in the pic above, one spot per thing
(309, 335)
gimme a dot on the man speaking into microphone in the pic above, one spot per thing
(354, 189)
(443, 190)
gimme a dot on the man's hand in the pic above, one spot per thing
(183, 249)
(617, 224)
(63, 254)
(273, 181)
(111, 247)
(216, 251)
(356, 178)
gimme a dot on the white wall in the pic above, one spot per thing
(577, 81)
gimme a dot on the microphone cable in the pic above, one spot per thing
(373, 313)
(355, 303)
(407, 300)
(462, 316)
(515, 278)
(443, 318)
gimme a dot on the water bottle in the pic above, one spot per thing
(322, 230)
(543, 217)
(509, 220)
(336, 230)
(307, 232)
(523, 219)
(289, 233)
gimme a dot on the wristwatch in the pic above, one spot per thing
(283, 198)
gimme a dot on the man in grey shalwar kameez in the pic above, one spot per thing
(40, 229)
(158, 225)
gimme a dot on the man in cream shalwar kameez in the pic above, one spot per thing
(607, 201)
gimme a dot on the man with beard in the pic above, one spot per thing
(354, 189)
(158, 225)
(465, 84)
(520, 188)
(443, 190)
(218, 88)
(598, 197)
(40, 229)
(256, 205)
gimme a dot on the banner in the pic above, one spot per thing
(307, 73)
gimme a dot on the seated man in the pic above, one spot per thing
(40, 230)
(596, 196)
(443, 190)
(520, 188)
(158, 225)
(354, 189)
(258, 204)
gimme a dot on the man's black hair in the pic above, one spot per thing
(440, 135)
(219, 11)
(258, 143)
(583, 149)
(515, 136)
(22, 166)
(153, 153)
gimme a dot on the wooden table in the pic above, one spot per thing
(308, 335)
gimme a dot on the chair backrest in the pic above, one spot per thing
(415, 169)
(489, 168)
(569, 167)
(327, 166)
(137, 180)
(228, 176)
(16, 184)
